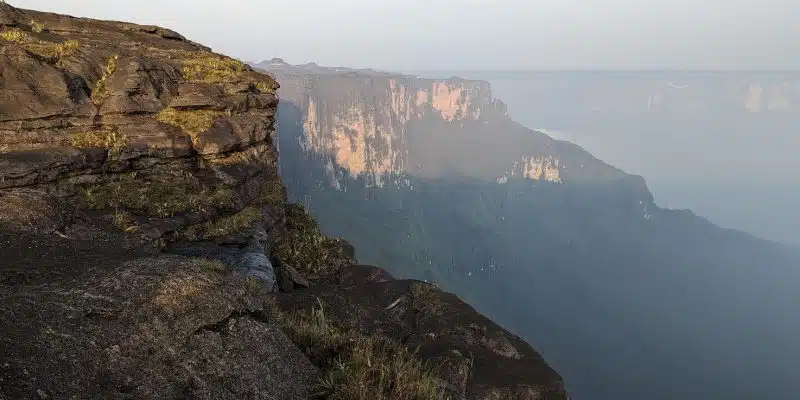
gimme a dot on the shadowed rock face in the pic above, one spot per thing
(140, 210)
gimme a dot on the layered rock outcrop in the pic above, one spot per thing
(167, 138)
(146, 247)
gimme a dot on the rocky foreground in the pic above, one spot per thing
(147, 250)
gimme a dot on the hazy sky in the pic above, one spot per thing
(476, 34)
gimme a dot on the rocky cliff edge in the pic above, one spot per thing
(147, 251)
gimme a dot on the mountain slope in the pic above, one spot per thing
(431, 178)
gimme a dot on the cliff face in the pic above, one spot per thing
(388, 126)
(147, 249)
(370, 136)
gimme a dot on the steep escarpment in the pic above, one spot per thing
(380, 126)
(147, 249)
(623, 297)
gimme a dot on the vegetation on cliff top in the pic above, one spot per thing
(105, 138)
(223, 226)
(306, 248)
(355, 366)
(161, 196)
(47, 51)
(210, 68)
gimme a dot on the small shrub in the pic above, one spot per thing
(192, 122)
(306, 248)
(37, 26)
(13, 35)
(224, 226)
(106, 138)
(100, 90)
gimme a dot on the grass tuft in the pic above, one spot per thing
(124, 221)
(37, 26)
(13, 35)
(358, 367)
(224, 226)
(100, 90)
(253, 285)
(192, 122)
(306, 248)
(106, 138)
(264, 87)
(377, 368)
(426, 297)
(158, 196)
